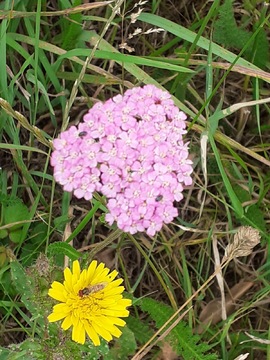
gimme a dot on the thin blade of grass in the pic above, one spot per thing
(237, 206)
(124, 58)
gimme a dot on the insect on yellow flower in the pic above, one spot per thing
(91, 301)
(92, 289)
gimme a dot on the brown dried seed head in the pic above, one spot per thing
(243, 243)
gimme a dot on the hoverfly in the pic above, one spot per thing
(92, 289)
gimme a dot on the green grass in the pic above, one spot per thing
(55, 64)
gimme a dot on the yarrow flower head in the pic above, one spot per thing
(91, 302)
(131, 150)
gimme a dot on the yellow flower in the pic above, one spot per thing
(91, 301)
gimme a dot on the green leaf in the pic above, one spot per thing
(140, 329)
(24, 284)
(72, 28)
(4, 353)
(12, 355)
(64, 249)
(190, 346)
(255, 215)
(237, 206)
(61, 221)
(21, 281)
(6, 284)
(30, 349)
(16, 212)
(16, 236)
(31, 345)
(3, 256)
(132, 59)
(125, 346)
(3, 233)
(261, 49)
(226, 31)
(39, 232)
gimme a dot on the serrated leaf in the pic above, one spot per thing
(21, 281)
(226, 31)
(125, 345)
(27, 350)
(261, 49)
(181, 338)
(24, 285)
(140, 329)
(11, 355)
(64, 249)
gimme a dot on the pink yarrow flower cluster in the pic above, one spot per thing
(131, 150)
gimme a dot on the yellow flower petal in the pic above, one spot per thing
(106, 326)
(115, 291)
(113, 275)
(67, 323)
(117, 282)
(76, 271)
(105, 321)
(91, 271)
(115, 313)
(92, 334)
(117, 333)
(55, 317)
(100, 330)
(68, 280)
(83, 277)
(56, 285)
(111, 300)
(61, 308)
(101, 275)
(117, 321)
(99, 269)
(58, 291)
(78, 333)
